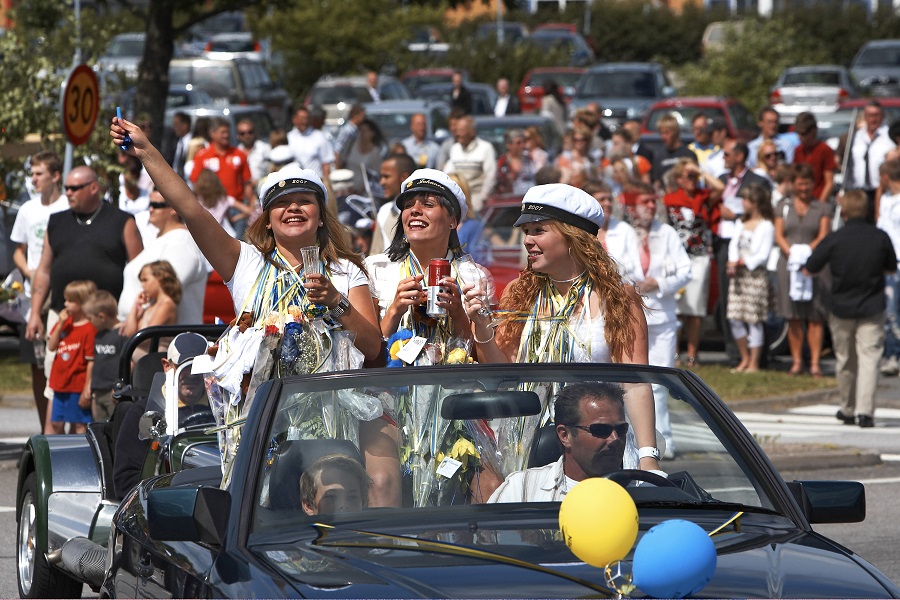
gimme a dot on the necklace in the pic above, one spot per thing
(568, 280)
(90, 219)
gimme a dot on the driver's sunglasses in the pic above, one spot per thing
(603, 430)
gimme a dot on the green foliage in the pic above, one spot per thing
(340, 37)
(750, 62)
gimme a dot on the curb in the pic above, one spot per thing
(842, 458)
(17, 400)
(823, 396)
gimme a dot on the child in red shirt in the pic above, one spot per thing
(70, 376)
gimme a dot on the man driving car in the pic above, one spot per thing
(591, 427)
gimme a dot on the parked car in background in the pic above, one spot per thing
(623, 90)
(426, 41)
(876, 68)
(241, 44)
(818, 89)
(337, 94)
(180, 97)
(193, 42)
(492, 129)
(513, 33)
(393, 117)
(484, 96)
(416, 78)
(235, 81)
(740, 121)
(531, 90)
(573, 44)
(499, 233)
(123, 55)
(716, 32)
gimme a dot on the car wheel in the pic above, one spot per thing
(36, 578)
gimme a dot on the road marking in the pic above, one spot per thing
(890, 457)
(880, 480)
(5, 509)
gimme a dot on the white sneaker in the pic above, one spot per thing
(890, 367)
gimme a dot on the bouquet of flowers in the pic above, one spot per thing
(13, 304)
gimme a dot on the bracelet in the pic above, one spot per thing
(648, 452)
(477, 341)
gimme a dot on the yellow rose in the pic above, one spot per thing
(457, 356)
(17, 286)
(295, 312)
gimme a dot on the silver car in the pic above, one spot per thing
(818, 89)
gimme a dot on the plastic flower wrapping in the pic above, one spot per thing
(13, 303)
(283, 345)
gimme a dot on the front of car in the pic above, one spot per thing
(268, 534)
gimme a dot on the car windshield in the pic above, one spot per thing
(234, 45)
(683, 114)
(312, 419)
(812, 78)
(618, 84)
(879, 56)
(393, 125)
(213, 78)
(126, 47)
(337, 94)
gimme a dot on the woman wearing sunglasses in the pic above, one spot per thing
(569, 305)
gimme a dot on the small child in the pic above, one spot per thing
(334, 484)
(101, 309)
(70, 377)
(157, 304)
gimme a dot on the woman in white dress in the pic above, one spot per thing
(569, 305)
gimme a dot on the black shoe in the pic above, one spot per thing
(851, 420)
(865, 421)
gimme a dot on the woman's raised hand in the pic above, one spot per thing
(119, 129)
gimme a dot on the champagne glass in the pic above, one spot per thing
(311, 263)
(471, 274)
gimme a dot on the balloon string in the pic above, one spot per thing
(735, 518)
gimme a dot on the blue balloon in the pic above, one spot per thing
(674, 559)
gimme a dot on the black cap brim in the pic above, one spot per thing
(425, 188)
(291, 187)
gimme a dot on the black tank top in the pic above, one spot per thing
(94, 252)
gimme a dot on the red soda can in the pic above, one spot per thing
(438, 269)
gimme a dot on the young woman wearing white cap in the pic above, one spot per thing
(432, 205)
(294, 216)
(569, 305)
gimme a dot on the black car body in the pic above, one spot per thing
(181, 535)
(623, 90)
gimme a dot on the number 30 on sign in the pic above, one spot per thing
(80, 104)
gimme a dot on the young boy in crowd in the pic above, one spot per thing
(70, 377)
(334, 484)
(101, 309)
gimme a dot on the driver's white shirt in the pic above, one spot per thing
(538, 484)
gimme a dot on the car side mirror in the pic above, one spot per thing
(668, 91)
(152, 426)
(194, 514)
(830, 501)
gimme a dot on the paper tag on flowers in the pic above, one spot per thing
(411, 350)
(448, 467)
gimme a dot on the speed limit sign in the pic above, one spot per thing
(80, 104)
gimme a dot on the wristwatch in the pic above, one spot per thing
(648, 452)
(341, 308)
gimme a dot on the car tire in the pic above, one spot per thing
(36, 578)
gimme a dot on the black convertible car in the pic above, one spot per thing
(182, 535)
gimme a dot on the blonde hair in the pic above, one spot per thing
(163, 272)
(520, 295)
(79, 291)
(101, 301)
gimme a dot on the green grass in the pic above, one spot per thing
(763, 384)
(15, 377)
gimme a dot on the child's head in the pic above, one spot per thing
(76, 293)
(335, 483)
(101, 308)
(757, 201)
(166, 280)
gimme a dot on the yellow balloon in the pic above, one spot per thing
(599, 521)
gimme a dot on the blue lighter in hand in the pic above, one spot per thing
(127, 143)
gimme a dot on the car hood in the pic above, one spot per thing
(522, 554)
(617, 107)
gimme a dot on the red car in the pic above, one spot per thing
(740, 121)
(531, 90)
(507, 254)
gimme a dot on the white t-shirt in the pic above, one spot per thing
(889, 219)
(179, 248)
(311, 149)
(30, 227)
(344, 276)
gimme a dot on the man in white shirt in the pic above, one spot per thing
(507, 104)
(474, 159)
(394, 171)
(372, 86)
(257, 151)
(181, 125)
(28, 233)
(311, 148)
(423, 151)
(889, 222)
(591, 427)
(870, 144)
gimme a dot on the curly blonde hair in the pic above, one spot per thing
(163, 272)
(520, 295)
